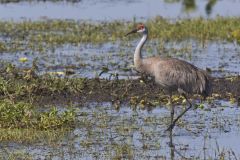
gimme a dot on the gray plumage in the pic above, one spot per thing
(172, 74)
(177, 75)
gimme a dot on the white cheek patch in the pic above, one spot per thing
(141, 30)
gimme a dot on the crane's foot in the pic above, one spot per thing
(170, 127)
(173, 122)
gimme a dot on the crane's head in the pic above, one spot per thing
(141, 28)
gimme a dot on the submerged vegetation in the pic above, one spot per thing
(39, 35)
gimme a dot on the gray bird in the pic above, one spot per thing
(172, 74)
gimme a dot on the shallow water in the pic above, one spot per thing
(105, 133)
(99, 10)
(89, 60)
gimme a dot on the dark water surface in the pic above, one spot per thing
(101, 10)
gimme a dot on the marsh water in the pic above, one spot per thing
(90, 60)
(106, 133)
(98, 10)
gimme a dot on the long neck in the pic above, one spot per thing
(137, 54)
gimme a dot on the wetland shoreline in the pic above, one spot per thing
(101, 90)
(26, 85)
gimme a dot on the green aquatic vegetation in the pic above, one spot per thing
(23, 115)
(122, 151)
(3, 47)
(18, 84)
(199, 28)
(23, 122)
(52, 119)
(31, 135)
(49, 34)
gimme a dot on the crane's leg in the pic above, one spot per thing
(172, 147)
(171, 122)
(172, 108)
(180, 115)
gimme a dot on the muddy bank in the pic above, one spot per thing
(117, 91)
(25, 85)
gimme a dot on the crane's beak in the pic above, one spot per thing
(133, 31)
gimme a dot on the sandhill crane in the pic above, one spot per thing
(172, 74)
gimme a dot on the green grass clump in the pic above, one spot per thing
(2, 47)
(23, 115)
(21, 120)
(16, 84)
(198, 28)
(40, 35)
